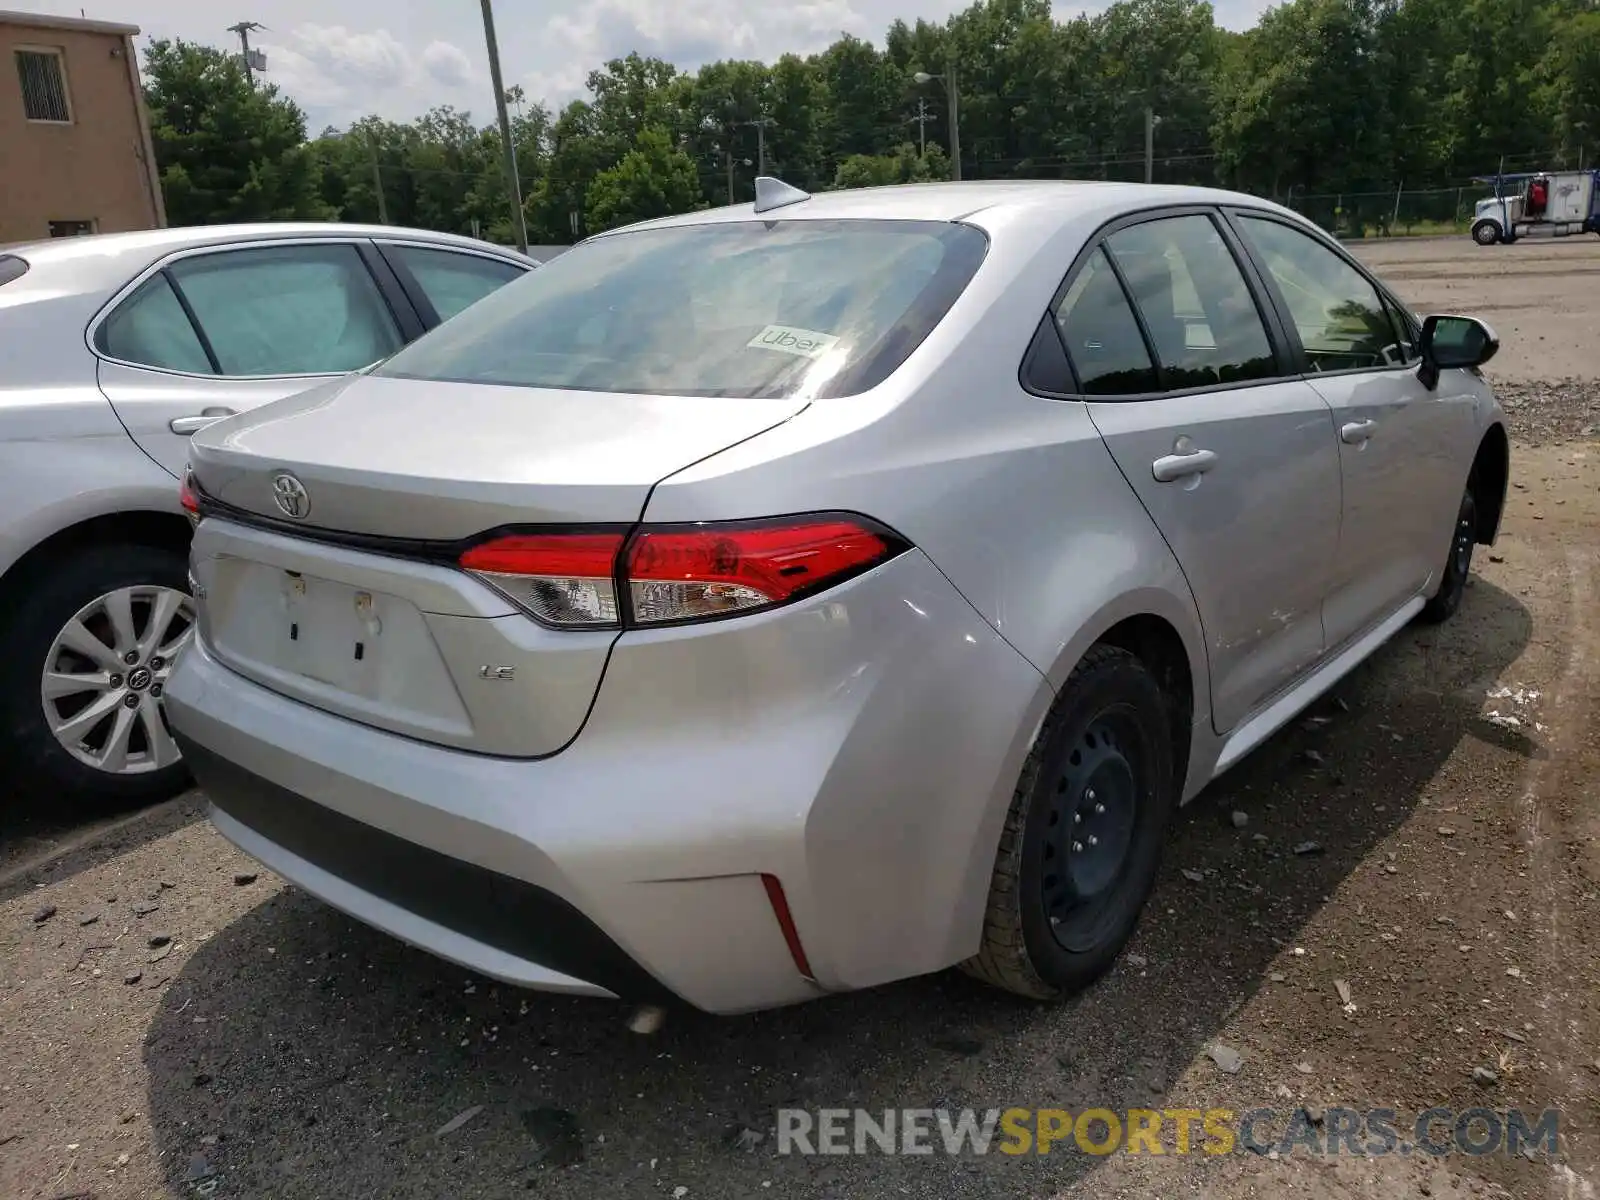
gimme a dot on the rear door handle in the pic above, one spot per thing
(208, 416)
(1170, 468)
(1357, 432)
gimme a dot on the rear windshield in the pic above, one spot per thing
(742, 309)
(12, 267)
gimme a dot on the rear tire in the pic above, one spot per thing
(1082, 841)
(1453, 584)
(50, 617)
(1486, 233)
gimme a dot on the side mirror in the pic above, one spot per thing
(1450, 342)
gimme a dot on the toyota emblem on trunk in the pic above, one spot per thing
(291, 497)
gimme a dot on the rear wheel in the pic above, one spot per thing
(1486, 233)
(87, 657)
(1082, 840)
(1453, 584)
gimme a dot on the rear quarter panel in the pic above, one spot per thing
(65, 459)
(1015, 498)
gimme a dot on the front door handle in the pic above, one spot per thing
(1170, 468)
(208, 416)
(1357, 432)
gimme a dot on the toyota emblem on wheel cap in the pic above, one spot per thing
(291, 497)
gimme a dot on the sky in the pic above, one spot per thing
(342, 59)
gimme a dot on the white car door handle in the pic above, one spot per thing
(1170, 468)
(1357, 432)
(209, 416)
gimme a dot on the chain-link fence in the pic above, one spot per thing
(1396, 213)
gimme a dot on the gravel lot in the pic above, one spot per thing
(177, 1023)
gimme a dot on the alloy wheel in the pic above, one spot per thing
(104, 677)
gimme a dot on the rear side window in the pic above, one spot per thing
(288, 310)
(12, 267)
(739, 309)
(1195, 302)
(1102, 335)
(452, 282)
(151, 328)
(1339, 315)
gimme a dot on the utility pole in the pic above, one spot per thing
(730, 169)
(254, 60)
(518, 223)
(921, 122)
(761, 124)
(949, 78)
(1150, 122)
(955, 135)
(377, 181)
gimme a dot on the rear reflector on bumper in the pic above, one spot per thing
(791, 935)
(665, 575)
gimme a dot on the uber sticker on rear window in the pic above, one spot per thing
(789, 339)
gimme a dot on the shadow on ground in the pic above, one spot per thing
(32, 828)
(322, 1057)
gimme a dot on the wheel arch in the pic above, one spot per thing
(1156, 643)
(1163, 631)
(138, 527)
(1489, 478)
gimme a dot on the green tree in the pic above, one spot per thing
(227, 151)
(654, 179)
(905, 165)
(1303, 100)
(1572, 68)
(577, 154)
(1338, 97)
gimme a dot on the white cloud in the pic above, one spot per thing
(686, 33)
(337, 74)
(447, 63)
(375, 59)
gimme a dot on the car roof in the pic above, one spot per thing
(959, 201)
(117, 250)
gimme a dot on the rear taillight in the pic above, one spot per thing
(562, 579)
(189, 497)
(714, 570)
(672, 574)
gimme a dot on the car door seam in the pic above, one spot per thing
(100, 386)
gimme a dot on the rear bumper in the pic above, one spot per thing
(861, 746)
(508, 927)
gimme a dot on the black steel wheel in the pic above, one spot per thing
(1082, 841)
(1453, 582)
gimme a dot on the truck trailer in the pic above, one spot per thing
(1537, 204)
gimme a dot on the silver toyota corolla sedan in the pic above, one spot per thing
(786, 599)
(113, 351)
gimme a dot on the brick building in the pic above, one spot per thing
(75, 150)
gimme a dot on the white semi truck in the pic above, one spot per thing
(1541, 204)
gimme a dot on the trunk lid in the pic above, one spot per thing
(416, 459)
(392, 635)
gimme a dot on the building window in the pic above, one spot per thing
(44, 86)
(71, 228)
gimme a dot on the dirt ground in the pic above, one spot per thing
(272, 1048)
